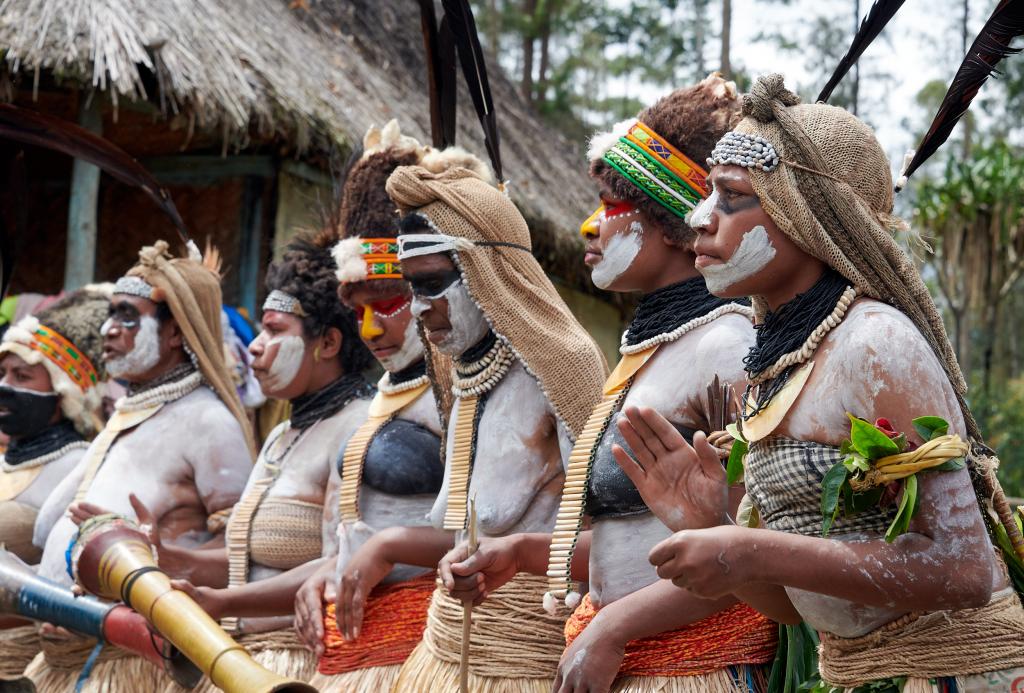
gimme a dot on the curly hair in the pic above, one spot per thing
(306, 271)
(692, 119)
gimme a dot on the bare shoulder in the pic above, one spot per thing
(202, 413)
(719, 347)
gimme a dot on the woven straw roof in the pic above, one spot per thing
(309, 71)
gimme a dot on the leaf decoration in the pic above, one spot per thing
(831, 485)
(869, 441)
(929, 427)
(908, 503)
(734, 467)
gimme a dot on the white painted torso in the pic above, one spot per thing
(189, 455)
(518, 470)
(674, 382)
(48, 479)
(306, 469)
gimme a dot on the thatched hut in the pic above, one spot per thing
(237, 106)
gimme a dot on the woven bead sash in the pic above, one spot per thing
(461, 463)
(577, 477)
(383, 409)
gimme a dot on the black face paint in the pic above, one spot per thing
(432, 285)
(739, 203)
(26, 412)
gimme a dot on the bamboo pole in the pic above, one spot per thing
(467, 609)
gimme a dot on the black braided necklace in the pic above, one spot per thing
(786, 330)
(669, 307)
(329, 400)
(50, 439)
(408, 373)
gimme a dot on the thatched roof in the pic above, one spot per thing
(308, 71)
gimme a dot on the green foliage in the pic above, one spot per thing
(796, 659)
(734, 467)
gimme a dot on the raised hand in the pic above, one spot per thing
(683, 485)
(316, 591)
(471, 579)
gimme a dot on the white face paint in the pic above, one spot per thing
(145, 354)
(700, 216)
(410, 353)
(754, 252)
(282, 371)
(618, 255)
(468, 322)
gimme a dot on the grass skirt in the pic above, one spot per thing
(18, 647)
(514, 644)
(56, 669)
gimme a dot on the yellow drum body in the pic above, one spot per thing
(113, 559)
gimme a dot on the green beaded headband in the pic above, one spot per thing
(647, 173)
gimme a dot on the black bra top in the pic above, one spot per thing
(610, 493)
(403, 459)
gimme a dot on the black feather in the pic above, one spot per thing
(439, 47)
(471, 55)
(448, 84)
(50, 132)
(870, 27)
(990, 46)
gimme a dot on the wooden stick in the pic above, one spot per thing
(467, 609)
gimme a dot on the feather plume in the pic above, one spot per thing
(460, 17)
(42, 130)
(439, 46)
(870, 27)
(990, 46)
(212, 259)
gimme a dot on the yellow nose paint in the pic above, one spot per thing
(369, 328)
(592, 226)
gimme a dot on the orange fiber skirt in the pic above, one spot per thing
(737, 635)
(393, 624)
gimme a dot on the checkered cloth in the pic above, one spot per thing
(783, 478)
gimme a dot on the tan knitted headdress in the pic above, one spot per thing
(192, 293)
(829, 188)
(495, 256)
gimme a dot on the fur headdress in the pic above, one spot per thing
(690, 120)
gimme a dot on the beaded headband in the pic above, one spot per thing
(65, 355)
(134, 286)
(381, 257)
(283, 303)
(417, 244)
(749, 151)
(663, 172)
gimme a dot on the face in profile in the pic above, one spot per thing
(136, 339)
(383, 310)
(442, 303)
(281, 362)
(28, 403)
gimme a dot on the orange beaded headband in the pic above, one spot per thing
(65, 355)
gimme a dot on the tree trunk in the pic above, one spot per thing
(549, 8)
(855, 91)
(80, 264)
(526, 82)
(493, 26)
(725, 65)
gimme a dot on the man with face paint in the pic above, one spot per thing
(515, 375)
(178, 444)
(803, 224)
(390, 470)
(50, 382)
(308, 353)
(627, 632)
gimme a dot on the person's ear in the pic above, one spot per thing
(330, 343)
(175, 339)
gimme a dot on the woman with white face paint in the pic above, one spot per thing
(389, 472)
(513, 372)
(626, 633)
(308, 352)
(847, 329)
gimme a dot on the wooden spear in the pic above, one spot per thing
(467, 608)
